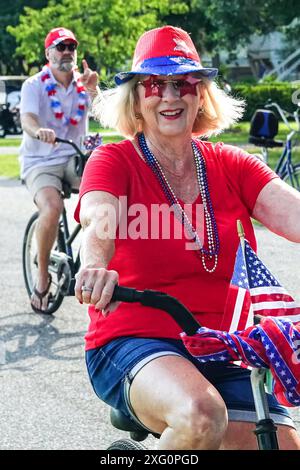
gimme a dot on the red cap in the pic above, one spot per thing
(57, 35)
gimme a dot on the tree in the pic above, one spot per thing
(225, 24)
(106, 29)
(9, 15)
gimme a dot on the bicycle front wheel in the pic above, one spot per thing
(30, 266)
(126, 444)
(294, 178)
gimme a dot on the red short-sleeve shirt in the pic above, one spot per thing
(148, 259)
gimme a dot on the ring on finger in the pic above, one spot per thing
(87, 289)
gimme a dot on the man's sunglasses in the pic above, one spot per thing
(183, 86)
(61, 46)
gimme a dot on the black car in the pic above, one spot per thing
(10, 95)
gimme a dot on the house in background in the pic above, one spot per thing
(264, 56)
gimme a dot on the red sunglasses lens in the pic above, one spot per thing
(156, 87)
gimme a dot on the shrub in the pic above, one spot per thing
(256, 96)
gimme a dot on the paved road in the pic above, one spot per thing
(9, 150)
(46, 399)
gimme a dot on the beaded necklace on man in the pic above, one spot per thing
(50, 88)
(211, 252)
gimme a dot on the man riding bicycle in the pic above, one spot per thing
(54, 103)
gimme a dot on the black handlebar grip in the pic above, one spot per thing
(162, 301)
(126, 294)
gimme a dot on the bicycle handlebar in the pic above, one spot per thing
(162, 301)
(283, 114)
(70, 142)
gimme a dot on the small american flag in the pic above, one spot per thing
(253, 291)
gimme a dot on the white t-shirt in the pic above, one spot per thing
(34, 99)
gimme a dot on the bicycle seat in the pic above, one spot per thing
(264, 142)
(120, 421)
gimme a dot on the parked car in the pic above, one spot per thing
(10, 96)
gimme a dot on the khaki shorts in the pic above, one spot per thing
(53, 176)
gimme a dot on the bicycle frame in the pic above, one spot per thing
(67, 239)
(265, 430)
(285, 167)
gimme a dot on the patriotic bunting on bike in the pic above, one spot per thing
(255, 291)
(274, 343)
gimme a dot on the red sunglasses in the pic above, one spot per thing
(155, 86)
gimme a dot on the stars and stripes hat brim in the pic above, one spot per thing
(165, 51)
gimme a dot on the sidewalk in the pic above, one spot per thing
(9, 150)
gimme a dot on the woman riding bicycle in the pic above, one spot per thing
(162, 173)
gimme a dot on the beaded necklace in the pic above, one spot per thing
(212, 251)
(50, 87)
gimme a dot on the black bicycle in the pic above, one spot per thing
(265, 429)
(64, 259)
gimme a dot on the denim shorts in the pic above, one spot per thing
(111, 369)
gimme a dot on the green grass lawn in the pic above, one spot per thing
(9, 166)
(15, 142)
(237, 135)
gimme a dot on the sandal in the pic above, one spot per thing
(41, 295)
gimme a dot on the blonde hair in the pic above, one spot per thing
(115, 108)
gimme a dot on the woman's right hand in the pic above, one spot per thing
(96, 286)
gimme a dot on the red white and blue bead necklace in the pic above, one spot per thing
(50, 87)
(210, 253)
